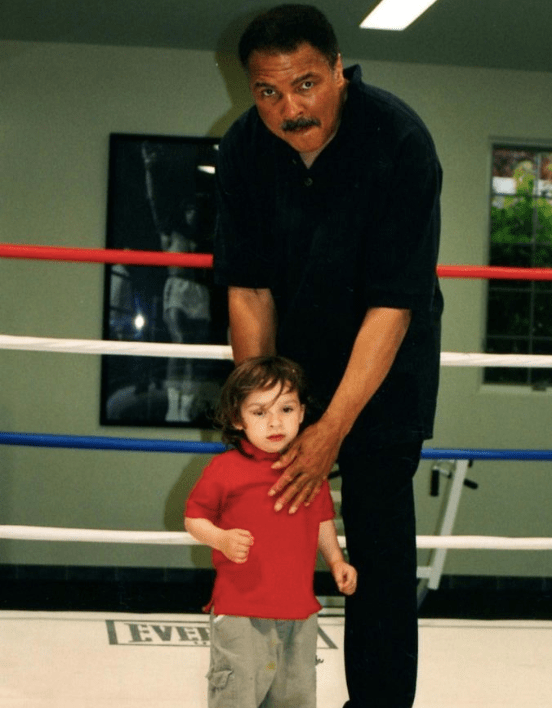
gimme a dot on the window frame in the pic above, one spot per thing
(513, 339)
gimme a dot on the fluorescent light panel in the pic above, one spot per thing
(395, 14)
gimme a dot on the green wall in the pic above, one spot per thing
(59, 103)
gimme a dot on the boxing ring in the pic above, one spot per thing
(40, 650)
(460, 459)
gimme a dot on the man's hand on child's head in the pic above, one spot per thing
(235, 544)
(345, 577)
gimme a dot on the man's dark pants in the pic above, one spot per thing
(381, 632)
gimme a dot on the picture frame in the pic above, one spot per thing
(161, 197)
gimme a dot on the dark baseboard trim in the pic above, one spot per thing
(174, 590)
(489, 598)
(104, 589)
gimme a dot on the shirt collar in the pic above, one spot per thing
(257, 454)
(353, 74)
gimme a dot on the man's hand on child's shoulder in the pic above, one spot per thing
(235, 544)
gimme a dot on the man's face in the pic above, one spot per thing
(298, 95)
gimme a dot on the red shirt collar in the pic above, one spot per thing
(258, 454)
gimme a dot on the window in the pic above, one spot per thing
(519, 312)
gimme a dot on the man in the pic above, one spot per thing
(327, 239)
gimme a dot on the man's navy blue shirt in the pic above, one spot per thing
(359, 229)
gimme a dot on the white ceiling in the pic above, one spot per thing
(507, 34)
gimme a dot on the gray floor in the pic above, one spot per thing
(97, 660)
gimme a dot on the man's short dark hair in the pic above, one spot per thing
(284, 28)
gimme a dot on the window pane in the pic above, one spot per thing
(507, 159)
(542, 345)
(511, 254)
(542, 319)
(543, 219)
(507, 345)
(509, 314)
(544, 187)
(514, 221)
(497, 375)
(542, 287)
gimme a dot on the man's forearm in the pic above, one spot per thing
(252, 322)
(310, 457)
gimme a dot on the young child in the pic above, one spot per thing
(263, 608)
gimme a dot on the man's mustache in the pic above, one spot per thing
(291, 125)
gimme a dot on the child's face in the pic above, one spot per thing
(270, 418)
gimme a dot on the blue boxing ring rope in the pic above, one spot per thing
(99, 442)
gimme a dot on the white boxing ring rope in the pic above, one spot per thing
(223, 352)
(181, 538)
(91, 346)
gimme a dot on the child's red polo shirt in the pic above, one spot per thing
(276, 582)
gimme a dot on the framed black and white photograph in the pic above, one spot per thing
(161, 198)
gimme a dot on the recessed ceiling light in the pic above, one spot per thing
(395, 14)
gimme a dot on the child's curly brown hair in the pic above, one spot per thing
(255, 373)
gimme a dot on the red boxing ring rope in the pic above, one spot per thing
(205, 260)
(107, 255)
(493, 272)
